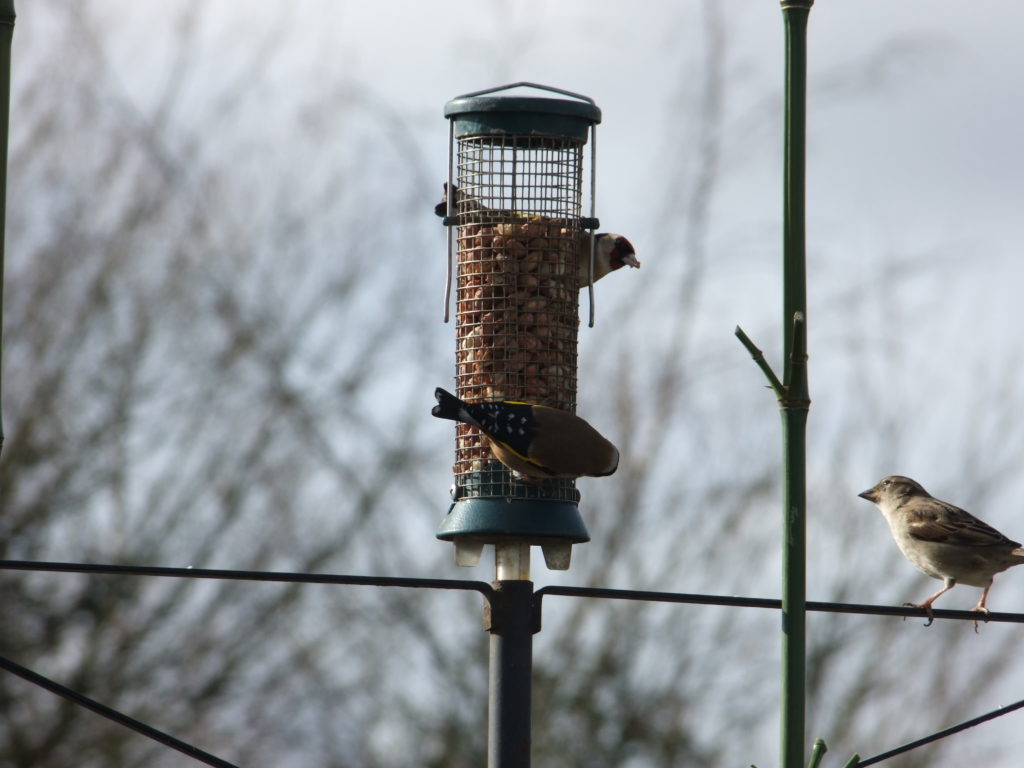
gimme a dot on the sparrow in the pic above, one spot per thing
(611, 251)
(941, 540)
(535, 441)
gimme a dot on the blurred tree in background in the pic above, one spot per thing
(221, 338)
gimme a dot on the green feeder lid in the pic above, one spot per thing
(505, 520)
(482, 114)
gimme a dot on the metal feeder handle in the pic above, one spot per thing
(593, 217)
(526, 84)
(449, 212)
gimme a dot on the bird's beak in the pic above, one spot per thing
(868, 494)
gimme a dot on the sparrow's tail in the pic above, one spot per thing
(450, 407)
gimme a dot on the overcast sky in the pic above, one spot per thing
(915, 114)
(914, 122)
(933, 141)
(936, 142)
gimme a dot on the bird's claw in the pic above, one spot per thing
(982, 610)
(927, 609)
(535, 482)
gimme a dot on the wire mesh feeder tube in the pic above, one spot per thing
(515, 195)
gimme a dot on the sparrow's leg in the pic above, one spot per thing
(980, 607)
(927, 604)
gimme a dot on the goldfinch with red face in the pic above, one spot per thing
(534, 440)
(611, 252)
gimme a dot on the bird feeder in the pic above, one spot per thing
(514, 212)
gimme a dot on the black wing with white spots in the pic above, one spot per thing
(510, 423)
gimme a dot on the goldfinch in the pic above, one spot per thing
(534, 440)
(611, 251)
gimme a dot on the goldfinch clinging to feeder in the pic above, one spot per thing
(534, 440)
(611, 251)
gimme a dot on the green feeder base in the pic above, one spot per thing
(552, 525)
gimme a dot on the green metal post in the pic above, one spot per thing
(6, 36)
(796, 403)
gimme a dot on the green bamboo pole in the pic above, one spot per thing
(792, 392)
(797, 402)
(817, 752)
(6, 36)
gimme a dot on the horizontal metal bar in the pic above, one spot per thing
(756, 602)
(112, 714)
(658, 597)
(231, 575)
(486, 589)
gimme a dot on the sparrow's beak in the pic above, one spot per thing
(868, 494)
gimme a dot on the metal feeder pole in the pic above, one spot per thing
(510, 619)
(6, 35)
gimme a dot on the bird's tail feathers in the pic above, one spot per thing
(450, 407)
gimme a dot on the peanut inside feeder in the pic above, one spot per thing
(517, 316)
